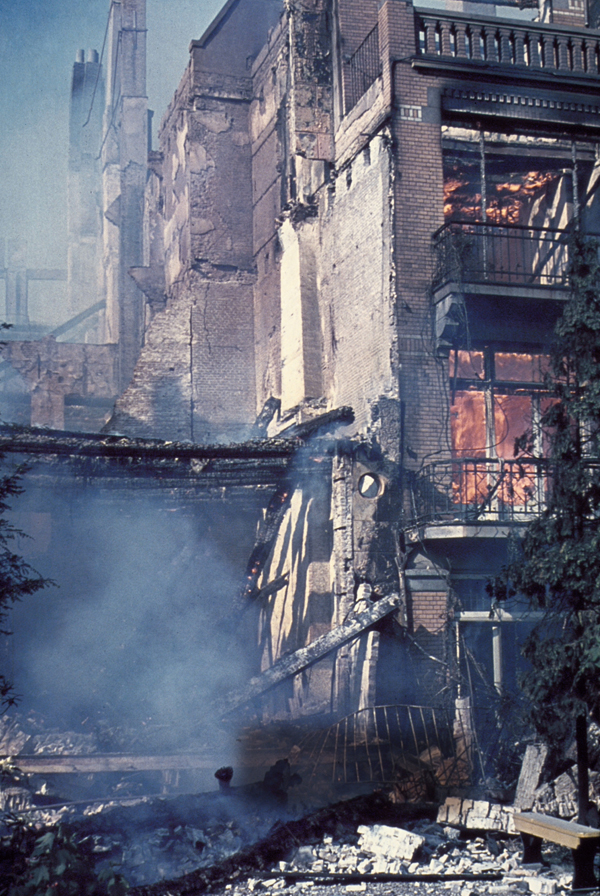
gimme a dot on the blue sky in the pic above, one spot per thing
(38, 43)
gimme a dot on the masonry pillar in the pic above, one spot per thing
(84, 185)
(301, 356)
(124, 166)
(16, 283)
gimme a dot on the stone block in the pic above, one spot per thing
(542, 886)
(449, 812)
(394, 843)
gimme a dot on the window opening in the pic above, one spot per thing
(469, 43)
(528, 192)
(498, 397)
(482, 45)
(453, 41)
(498, 47)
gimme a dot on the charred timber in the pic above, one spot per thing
(305, 656)
(337, 417)
(92, 763)
(340, 877)
(23, 440)
(150, 463)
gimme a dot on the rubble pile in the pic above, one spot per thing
(357, 856)
(429, 851)
(144, 856)
(477, 815)
(559, 797)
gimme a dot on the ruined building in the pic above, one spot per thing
(353, 235)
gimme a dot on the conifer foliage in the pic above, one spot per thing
(17, 578)
(558, 565)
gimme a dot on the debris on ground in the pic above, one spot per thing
(559, 797)
(532, 769)
(477, 815)
(447, 860)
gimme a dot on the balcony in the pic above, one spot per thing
(500, 255)
(451, 40)
(474, 491)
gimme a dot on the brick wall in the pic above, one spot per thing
(430, 611)
(418, 212)
(429, 617)
(357, 312)
(195, 375)
(270, 176)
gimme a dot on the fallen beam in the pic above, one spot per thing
(107, 762)
(353, 877)
(305, 656)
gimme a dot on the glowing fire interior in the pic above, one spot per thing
(497, 397)
(530, 184)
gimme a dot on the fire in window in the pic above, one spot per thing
(498, 397)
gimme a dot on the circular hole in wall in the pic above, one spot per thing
(369, 485)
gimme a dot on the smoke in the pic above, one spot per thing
(136, 634)
(39, 40)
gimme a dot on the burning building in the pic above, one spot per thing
(351, 242)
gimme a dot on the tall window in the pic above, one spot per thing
(497, 397)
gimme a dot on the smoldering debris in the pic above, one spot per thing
(154, 838)
(349, 844)
(243, 839)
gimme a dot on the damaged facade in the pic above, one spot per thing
(367, 205)
(353, 235)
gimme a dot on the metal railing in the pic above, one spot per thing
(545, 48)
(470, 490)
(363, 69)
(394, 743)
(508, 255)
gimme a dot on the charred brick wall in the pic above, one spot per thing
(270, 192)
(205, 391)
(357, 302)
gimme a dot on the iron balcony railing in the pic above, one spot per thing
(502, 254)
(409, 746)
(479, 489)
(362, 69)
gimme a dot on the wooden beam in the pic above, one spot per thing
(97, 763)
(305, 656)
(108, 762)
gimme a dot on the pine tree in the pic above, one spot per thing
(558, 566)
(17, 578)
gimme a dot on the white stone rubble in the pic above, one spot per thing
(395, 843)
(477, 815)
(441, 850)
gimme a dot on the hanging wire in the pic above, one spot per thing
(89, 115)
(115, 103)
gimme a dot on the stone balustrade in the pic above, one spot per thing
(541, 48)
